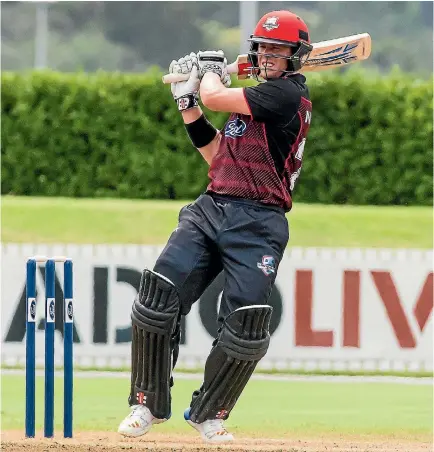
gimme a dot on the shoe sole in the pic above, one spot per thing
(132, 435)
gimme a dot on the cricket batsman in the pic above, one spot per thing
(238, 226)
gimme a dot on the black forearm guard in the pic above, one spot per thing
(201, 132)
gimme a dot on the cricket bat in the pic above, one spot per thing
(324, 55)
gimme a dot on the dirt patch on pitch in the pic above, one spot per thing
(14, 441)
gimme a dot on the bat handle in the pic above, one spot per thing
(173, 78)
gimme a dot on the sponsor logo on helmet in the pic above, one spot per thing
(235, 128)
(271, 23)
(268, 265)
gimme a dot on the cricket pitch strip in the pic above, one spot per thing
(14, 441)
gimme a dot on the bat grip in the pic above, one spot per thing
(173, 78)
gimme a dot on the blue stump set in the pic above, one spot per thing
(50, 324)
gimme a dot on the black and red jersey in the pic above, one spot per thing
(260, 155)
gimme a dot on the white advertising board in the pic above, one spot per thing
(333, 308)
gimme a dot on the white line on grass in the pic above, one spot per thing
(424, 381)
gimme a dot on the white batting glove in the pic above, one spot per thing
(212, 61)
(185, 92)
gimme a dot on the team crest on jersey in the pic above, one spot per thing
(268, 265)
(271, 23)
(235, 128)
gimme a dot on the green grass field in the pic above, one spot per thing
(273, 410)
(278, 409)
(65, 220)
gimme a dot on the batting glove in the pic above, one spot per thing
(213, 61)
(185, 92)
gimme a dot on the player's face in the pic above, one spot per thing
(272, 66)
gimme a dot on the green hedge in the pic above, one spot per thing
(120, 135)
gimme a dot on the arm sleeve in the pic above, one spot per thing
(274, 101)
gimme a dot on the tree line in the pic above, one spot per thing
(133, 36)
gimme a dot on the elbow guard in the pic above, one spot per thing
(201, 132)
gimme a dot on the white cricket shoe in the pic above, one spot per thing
(211, 430)
(138, 422)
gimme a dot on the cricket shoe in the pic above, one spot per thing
(211, 430)
(138, 422)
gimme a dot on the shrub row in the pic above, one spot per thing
(120, 135)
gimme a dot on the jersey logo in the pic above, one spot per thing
(235, 128)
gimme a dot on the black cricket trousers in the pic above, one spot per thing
(244, 239)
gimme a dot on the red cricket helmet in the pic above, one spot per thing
(282, 28)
